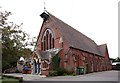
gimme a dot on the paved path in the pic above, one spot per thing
(97, 76)
(29, 77)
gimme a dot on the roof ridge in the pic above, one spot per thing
(103, 44)
(75, 37)
(71, 27)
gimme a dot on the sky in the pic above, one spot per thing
(97, 19)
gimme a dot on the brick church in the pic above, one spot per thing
(74, 48)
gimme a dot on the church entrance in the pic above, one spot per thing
(36, 67)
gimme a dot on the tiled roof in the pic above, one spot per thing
(46, 54)
(75, 38)
(103, 48)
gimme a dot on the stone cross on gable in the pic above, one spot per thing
(44, 7)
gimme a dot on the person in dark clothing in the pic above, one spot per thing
(38, 66)
(34, 66)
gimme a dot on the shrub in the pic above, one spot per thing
(61, 71)
(70, 72)
(20, 79)
(53, 73)
(58, 72)
(17, 71)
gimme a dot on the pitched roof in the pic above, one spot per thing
(102, 48)
(75, 38)
(48, 53)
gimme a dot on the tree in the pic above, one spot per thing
(14, 41)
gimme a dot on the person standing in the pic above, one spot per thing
(38, 67)
(34, 66)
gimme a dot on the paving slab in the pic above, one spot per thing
(97, 76)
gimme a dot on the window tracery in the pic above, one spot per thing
(47, 40)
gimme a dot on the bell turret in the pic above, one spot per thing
(45, 16)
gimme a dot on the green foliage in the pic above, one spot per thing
(17, 71)
(55, 62)
(53, 73)
(56, 66)
(21, 80)
(11, 79)
(61, 71)
(58, 72)
(14, 41)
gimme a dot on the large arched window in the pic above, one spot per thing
(47, 40)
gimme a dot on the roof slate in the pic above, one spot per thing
(48, 53)
(103, 48)
(75, 38)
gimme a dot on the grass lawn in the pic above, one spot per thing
(9, 80)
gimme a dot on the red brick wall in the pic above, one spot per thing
(94, 62)
(68, 55)
(56, 33)
(50, 25)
